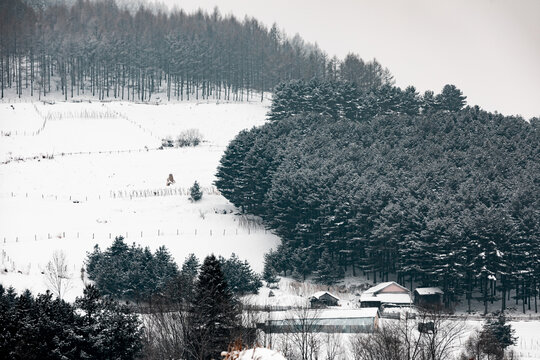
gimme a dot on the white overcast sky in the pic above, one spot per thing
(490, 49)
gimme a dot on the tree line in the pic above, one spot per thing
(136, 274)
(442, 195)
(100, 49)
(200, 322)
(40, 327)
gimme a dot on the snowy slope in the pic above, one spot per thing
(106, 178)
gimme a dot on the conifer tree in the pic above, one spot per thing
(215, 314)
(195, 193)
(328, 271)
(240, 278)
(500, 330)
(451, 98)
(108, 329)
(269, 271)
(188, 278)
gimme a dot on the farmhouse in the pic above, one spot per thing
(387, 294)
(329, 321)
(430, 297)
(323, 299)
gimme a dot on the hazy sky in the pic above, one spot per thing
(490, 49)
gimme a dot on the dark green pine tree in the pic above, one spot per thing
(184, 287)
(195, 193)
(164, 269)
(269, 271)
(328, 272)
(429, 102)
(451, 98)
(500, 330)
(215, 315)
(107, 329)
(240, 278)
(410, 101)
(231, 167)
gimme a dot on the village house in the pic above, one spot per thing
(387, 294)
(323, 299)
(428, 297)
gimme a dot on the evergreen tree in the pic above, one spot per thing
(43, 328)
(269, 271)
(500, 331)
(195, 193)
(451, 98)
(187, 279)
(215, 314)
(240, 278)
(328, 272)
(131, 272)
(107, 329)
(429, 102)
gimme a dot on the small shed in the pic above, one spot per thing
(428, 297)
(323, 299)
(344, 321)
(387, 294)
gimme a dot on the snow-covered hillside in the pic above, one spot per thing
(79, 174)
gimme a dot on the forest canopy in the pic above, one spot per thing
(441, 195)
(101, 49)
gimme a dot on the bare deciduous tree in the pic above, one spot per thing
(165, 331)
(442, 339)
(433, 335)
(303, 333)
(333, 346)
(57, 275)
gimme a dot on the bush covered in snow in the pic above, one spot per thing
(189, 137)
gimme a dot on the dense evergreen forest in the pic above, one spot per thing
(391, 182)
(100, 49)
(40, 327)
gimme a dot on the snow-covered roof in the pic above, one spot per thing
(348, 313)
(386, 298)
(326, 314)
(377, 288)
(429, 291)
(318, 295)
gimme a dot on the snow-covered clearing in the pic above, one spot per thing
(94, 172)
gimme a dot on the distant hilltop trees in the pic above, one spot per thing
(100, 49)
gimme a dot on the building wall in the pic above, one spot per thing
(343, 326)
(329, 300)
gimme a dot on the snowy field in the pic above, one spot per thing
(78, 174)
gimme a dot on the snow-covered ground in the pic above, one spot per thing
(79, 174)
(73, 175)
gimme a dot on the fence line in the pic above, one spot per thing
(116, 194)
(169, 191)
(136, 124)
(140, 234)
(66, 153)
